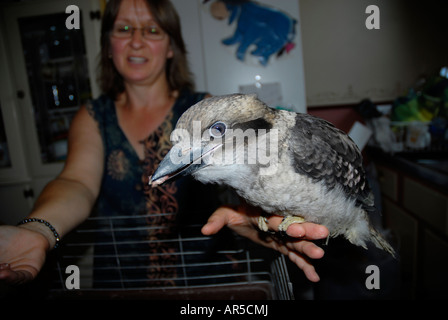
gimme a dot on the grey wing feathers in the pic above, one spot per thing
(325, 153)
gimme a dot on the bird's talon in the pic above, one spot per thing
(263, 223)
(289, 220)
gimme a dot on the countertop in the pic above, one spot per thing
(430, 167)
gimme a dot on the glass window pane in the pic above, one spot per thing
(57, 73)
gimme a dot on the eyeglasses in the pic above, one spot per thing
(148, 33)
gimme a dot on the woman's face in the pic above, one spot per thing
(139, 60)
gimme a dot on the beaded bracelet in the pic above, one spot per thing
(55, 233)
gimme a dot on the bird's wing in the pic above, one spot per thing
(324, 153)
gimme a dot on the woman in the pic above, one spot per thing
(145, 78)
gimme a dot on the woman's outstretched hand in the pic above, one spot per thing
(22, 254)
(297, 247)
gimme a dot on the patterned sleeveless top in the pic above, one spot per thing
(125, 178)
(125, 192)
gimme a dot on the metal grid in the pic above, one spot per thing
(133, 257)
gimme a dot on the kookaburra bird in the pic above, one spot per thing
(289, 164)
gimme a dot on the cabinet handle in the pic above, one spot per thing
(95, 15)
(20, 94)
(28, 193)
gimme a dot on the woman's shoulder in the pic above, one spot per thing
(102, 102)
(100, 107)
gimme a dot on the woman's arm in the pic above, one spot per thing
(65, 202)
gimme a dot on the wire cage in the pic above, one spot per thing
(128, 258)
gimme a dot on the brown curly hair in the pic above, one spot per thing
(177, 69)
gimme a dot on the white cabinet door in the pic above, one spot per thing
(12, 158)
(17, 199)
(52, 72)
(16, 202)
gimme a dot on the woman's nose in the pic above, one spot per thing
(137, 38)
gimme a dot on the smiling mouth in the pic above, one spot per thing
(137, 59)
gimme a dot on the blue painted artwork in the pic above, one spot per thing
(270, 30)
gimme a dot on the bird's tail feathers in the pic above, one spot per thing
(380, 242)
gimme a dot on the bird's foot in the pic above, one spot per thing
(289, 220)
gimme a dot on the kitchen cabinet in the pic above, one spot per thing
(48, 72)
(416, 210)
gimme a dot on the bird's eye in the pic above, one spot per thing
(218, 129)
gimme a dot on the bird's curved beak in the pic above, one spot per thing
(177, 163)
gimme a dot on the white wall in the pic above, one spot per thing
(215, 66)
(345, 62)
